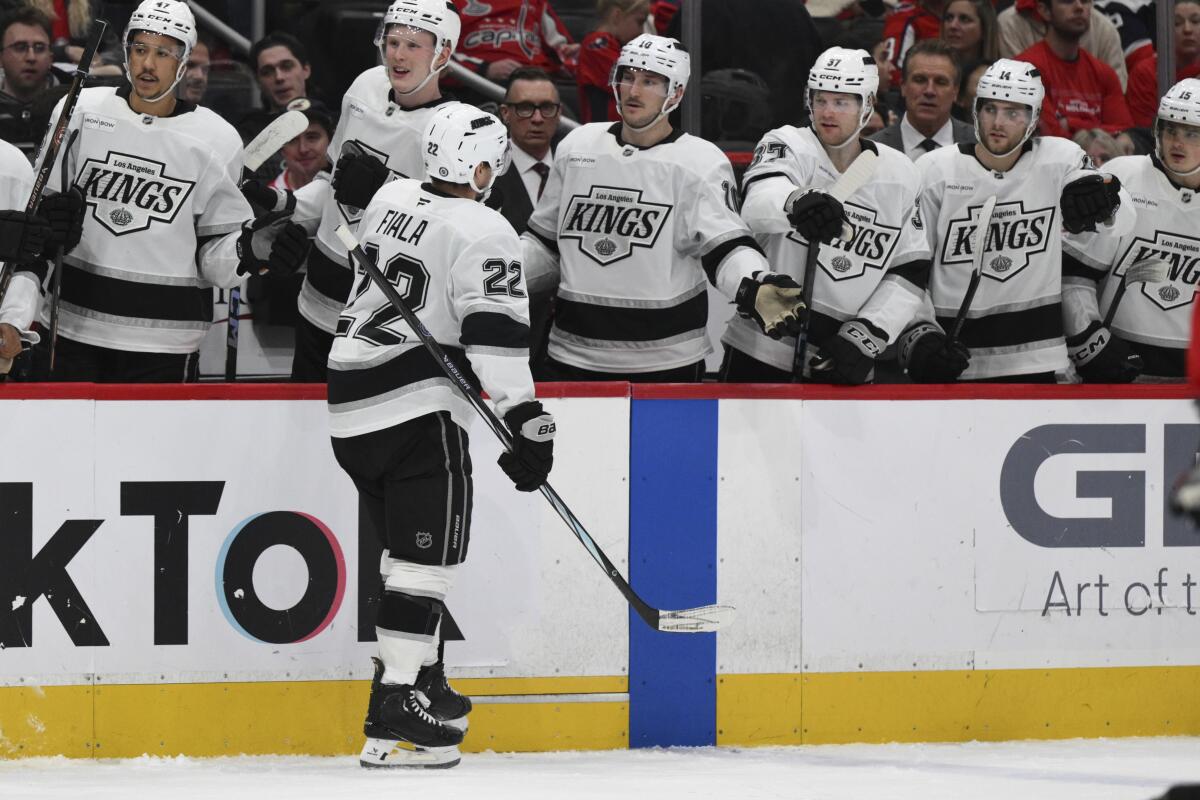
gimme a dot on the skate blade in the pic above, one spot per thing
(392, 754)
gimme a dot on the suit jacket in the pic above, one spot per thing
(510, 199)
(891, 136)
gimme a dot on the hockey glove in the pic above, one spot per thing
(64, 212)
(773, 302)
(528, 463)
(22, 237)
(1090, 200)
(929, 356)
(266, 199)
(1100, 357)
(849, 357)
(271, 245)
(815, 215)
(1185, 495)
(357, 178)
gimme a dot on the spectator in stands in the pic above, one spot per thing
(308, 153)
(964, 105)
(911, 22)
(500, 36)
(1134, 20)
(30, 88)
(1023, 25)
(1142, 94)
(969, 26)
(195, 77)
(1082, 92)
(531, 110)
(281, 65)
(930, 85)
(71, 22)
(1099, 146)
(620, 22)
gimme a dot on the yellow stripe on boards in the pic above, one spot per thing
(957, 705)
(292, 717)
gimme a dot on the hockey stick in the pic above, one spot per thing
(82, 72)
(283, 129)
(703, 619)
(984, 224)
(1148, 270)
(854, 178)
(56, 279)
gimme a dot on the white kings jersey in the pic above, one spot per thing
(629, 236)
(1155, 318)
(1015, 323)
(375, 122)
(160, 227)
(878, 275)
(24, 289)
(457, 264)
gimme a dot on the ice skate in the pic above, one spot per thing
(401, 732)
(445, 704)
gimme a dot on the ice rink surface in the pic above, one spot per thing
(1116, 769)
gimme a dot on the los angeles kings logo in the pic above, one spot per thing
(870, 247)
(1182, 254)
(609, 222)
(128, 193)
(1014, 236)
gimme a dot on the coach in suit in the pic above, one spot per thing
(530, 111)
(932, 76)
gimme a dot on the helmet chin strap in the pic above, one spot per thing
(178, 77)
(667, 108)
(979, 137)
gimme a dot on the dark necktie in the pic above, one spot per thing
(543, 171)
(929, 145)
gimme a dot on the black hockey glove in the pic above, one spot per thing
(849, 357)
(22, 237)
(271, 245)
(266, 199)
(929, 356)
(64, 212)
(1090, 200)
(773, 302)
(357, 178)
(815, 215)
(528, 463)
(1100, 357)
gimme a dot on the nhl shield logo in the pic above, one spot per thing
(129, 193)
(608, 222)
(424, 540)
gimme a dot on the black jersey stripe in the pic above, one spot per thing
(39, 270)
(328, 277)
(606, 323)
(492, 329)
(1010, 328)
(134, 299)
(711, 261)
(915, 272)
(412, 366)
(1077, 268)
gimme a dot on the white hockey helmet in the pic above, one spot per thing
(439, 17)
(1180, 105)
(459, 138)
(167, 18)
(1013, 82)
(846, 71)
(660, 55)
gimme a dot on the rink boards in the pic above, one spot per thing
(182, 570)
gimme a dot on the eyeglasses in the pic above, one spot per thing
(21, 48)
(525, 110)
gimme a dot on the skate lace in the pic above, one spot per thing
(415, 706)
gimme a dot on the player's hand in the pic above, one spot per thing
(528, 463)
(10, 341)
(22, 237)
(1090, 200)
(773, 301)
(264, 199)
(1100, 357)
(929, 356)
(849, 357)
(815, 215)
(357, 178)
(271, 245)
(64, 212)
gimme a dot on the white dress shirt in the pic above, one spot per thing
(523, 163)
(912, 138)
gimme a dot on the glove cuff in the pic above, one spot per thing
(1084, 347)
(867, 337)
(909, 339)
(530, 421)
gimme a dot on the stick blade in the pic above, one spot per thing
(856, 176)
(272, 138)
(1148, 270)
(705, 619)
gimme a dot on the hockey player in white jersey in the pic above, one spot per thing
(1013, 330)
(160, 221)
(399, 425)
(866, 290)
(634, 217)
(378, 137)
(1151, 324)
(24, 241)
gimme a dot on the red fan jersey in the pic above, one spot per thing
(597, 56)
(908, 24)
(1142, 94)
(1080, 95)
(527, 31)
